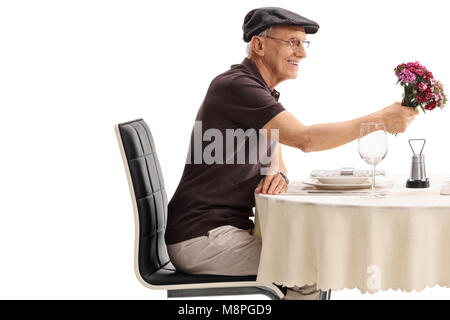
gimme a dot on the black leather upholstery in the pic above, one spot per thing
(151, 199)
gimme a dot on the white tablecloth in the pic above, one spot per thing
(398, 242)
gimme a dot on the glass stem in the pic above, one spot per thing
(373, 179)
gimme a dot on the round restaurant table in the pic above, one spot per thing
(342, 241)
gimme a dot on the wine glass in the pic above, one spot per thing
(372, 147)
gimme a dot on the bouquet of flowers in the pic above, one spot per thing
(420, 87)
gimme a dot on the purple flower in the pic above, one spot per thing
(407, 76)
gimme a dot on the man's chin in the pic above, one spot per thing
(290, 76)
(293, 75)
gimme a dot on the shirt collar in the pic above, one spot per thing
(254, 70)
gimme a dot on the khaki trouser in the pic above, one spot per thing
(225, 250)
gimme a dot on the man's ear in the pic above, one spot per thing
(258, 46)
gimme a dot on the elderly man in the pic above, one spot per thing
(208, 227)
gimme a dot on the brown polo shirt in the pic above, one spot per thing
(213, 194)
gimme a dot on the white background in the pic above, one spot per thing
(70, 70)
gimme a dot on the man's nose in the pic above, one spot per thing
(300, 52)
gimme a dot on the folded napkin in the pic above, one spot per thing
(349, 172)
(445, 188)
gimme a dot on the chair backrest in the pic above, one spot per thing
(148, 194)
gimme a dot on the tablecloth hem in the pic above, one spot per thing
(361, 289)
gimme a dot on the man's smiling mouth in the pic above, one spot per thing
(293, 62)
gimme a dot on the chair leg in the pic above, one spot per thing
(182, 293)
(325, 295)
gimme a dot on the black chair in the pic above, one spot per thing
(152, 263)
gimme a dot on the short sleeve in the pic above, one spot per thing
(249, 103)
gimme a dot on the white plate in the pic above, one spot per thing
(337, 186)
(342, 180)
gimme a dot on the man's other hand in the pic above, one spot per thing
(272, 184)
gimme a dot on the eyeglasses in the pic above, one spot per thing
(294, 43)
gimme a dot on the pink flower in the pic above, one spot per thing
(422, 86)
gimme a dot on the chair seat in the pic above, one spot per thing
(169, 276)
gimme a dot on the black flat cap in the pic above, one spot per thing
(257, 20)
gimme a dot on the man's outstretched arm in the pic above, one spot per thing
(331, 135)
